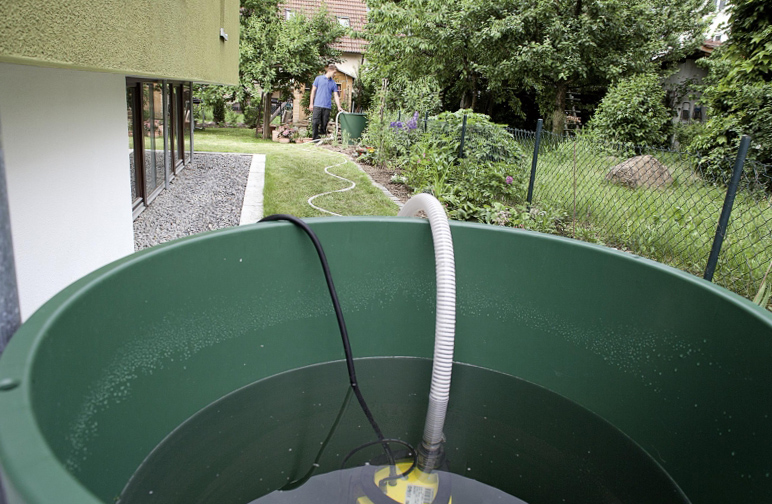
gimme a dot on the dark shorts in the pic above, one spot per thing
(319, 121)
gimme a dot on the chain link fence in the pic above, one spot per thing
(658, 204)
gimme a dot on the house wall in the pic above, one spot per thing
(350, 63)
(687, 69)
(65, 138)
(173, 39)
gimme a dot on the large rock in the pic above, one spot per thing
(640, 171)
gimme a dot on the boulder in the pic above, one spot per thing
(640, 171)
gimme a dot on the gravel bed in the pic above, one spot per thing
(206, 195)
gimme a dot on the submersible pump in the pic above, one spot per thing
(415, 480)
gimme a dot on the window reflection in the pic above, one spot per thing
(188, 121)
(160, 129)
(135, 180)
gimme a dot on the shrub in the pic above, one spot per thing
(483, 141)
(743, 107)
(218, 109)
(252, 115)
(685, 134)
(633, 112)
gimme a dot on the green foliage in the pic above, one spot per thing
(764, 293)
(738, 90)
(487, 53)
(750, 40)
(276, 53)
(252, 116)
(218, 110)
(633, 111)
(484, 141)
(686, 134)
(422, 93)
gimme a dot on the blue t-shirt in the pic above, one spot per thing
(324, 89)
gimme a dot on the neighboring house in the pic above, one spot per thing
(351, 14)
(680, 86)
(95, 121)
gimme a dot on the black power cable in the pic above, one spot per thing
(346, 345)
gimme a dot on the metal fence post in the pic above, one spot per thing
(539, 126)
(726, 211)
(10, 317)
(463, 135)
(426, 119)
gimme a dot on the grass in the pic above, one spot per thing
(675, 225)
(295, 172)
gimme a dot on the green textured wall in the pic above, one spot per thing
(172, 39)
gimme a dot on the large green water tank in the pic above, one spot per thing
(105, 370)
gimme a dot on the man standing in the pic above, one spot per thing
(323, 90)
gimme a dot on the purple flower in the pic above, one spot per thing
(510, 179)
(413, 122)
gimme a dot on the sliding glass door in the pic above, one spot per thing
(159, 133)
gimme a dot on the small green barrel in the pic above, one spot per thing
(353, 124)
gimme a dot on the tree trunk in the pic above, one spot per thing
(559, 114)
(259, 123)
(267, 115)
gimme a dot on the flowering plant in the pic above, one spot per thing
(409, 125)
(287, 131)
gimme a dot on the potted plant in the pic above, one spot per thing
(286, 133)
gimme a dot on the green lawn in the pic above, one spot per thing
(295, 172)
(674, 225)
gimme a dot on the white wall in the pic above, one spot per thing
(65, 138)
(350, 63)
(718, 26)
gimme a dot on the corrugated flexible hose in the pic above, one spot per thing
(430, 452)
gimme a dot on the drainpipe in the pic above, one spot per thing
(10, 317)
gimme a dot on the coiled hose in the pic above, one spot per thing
(430, 452)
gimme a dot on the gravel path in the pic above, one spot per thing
(206, 195)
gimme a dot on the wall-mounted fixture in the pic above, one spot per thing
(223, 35)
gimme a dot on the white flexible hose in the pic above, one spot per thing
(445, 326)
(335, 136)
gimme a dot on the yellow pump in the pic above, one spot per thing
(417, 487)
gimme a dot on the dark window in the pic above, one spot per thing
(686, 111)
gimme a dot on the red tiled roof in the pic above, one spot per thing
(354, 10)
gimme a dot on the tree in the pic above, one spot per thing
(277, 54)
(738, 88)
(411, 40)
(500, 48)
